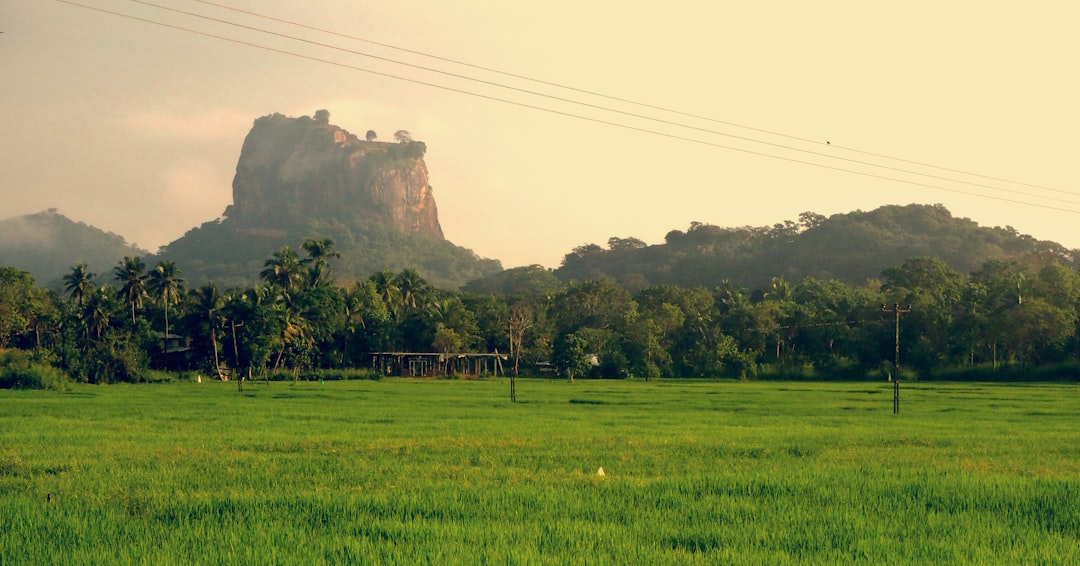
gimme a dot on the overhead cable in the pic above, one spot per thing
(588, 118)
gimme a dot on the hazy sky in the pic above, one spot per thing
(136, 128)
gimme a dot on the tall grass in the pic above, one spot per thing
(400, 471)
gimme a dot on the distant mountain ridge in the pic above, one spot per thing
(48, 243)
(851, 247)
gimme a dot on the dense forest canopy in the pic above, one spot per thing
(1008, 318)
(218, 252)
(851, 247)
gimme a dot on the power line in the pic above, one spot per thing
(626, 100)
(572, 101)
(573, 115)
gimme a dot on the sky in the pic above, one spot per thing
(724, 113)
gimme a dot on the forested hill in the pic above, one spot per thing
(48, 243)
(851, 247)
(216, 251)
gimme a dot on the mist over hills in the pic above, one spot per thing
(48, 243)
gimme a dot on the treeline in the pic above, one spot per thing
(219, 251)
(1008, 319)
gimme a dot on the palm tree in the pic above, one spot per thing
(99, 310)
(165, 286)
(129, 272)
(319, 252)
(296, 330)
(79, 284)
(283, 270)
(207, 304)
(413, 290)
(387, 288)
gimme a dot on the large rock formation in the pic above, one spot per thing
(292, 169)
(300, 178)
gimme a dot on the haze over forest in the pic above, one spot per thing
(134, 127)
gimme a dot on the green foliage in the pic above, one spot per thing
(219, 252)
(20, 370)
(18, 303)
(529, 280)
(750, 256)
(570, 356)
(1007, 314)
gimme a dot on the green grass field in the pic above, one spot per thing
(450, 472)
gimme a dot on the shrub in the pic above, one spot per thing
(19, 370)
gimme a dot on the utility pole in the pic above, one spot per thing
(236, 357)
(896, 363)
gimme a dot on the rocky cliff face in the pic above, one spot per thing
(291, 169)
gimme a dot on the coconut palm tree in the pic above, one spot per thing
(206, 305)
(129, 272)
(386, 287)
(165, 287)
(79, 284)
(283, 269)
(413, 290)
(98, 311)
(319, 252)
(294, 327)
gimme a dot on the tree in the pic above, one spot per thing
(935, 293)
(451, 313)
(522, 317)
(826, 329)
(98, 311)
(165, 287)
(366, 314)
(446, 342)
(130, 273)
(16, 303)
(79, 283)
(206, 306)
(295, 334)
(1035, 326)
(371, 135)
(593, 304)
(283, 270)
(569, 355)
(322, 116)
(615, 243)
(324, 308)
(403, 136)
(319, 254)
(252, 324)
(810, 220)
(413, 290)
